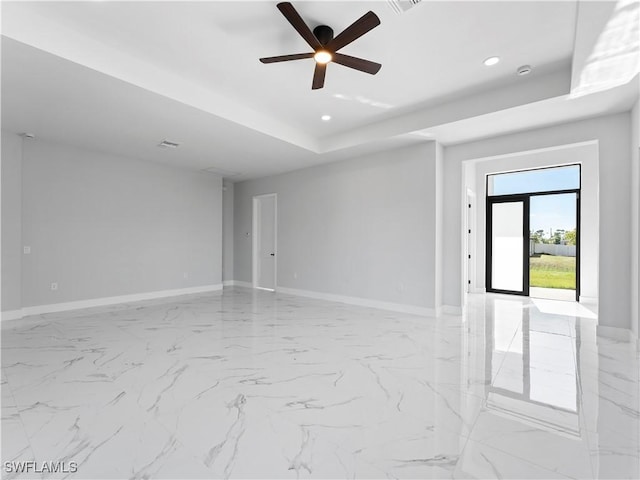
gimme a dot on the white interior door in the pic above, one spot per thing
(265, 241)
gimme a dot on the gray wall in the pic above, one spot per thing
(11, 221)
(360, 228)
(102, 226)
(227, 232)
(614, 141)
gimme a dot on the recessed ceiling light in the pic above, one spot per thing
(524, 70)
(325, 118)
(491, 61)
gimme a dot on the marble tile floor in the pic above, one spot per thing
(252, 384)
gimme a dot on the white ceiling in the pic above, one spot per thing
(121, 76)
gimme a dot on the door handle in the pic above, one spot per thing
(272, 254)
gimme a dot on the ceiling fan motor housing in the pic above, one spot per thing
(323, 33)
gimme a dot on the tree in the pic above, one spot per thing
(570, 237)
(537, 236)
(557, 236)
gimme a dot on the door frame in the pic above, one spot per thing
(524, 198)
(255, 258)
(470, 244)
(526, 222)
(578, 222)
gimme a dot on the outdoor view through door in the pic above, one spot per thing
(533, 232)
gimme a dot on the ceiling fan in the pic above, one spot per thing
(325, 46)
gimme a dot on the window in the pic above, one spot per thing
(538, 180)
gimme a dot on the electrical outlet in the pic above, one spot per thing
(54, 286)
(26, 250)
(185, 275)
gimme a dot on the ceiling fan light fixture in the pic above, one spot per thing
(323, 57)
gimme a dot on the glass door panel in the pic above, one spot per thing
(507, 244)
(553, 266)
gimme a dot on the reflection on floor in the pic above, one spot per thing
(553, 293)
(255, 384)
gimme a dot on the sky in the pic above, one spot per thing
(552, 211)
(546, 211)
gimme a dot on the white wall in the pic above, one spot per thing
(614, 140)
(360, 228)
(103, 226)
(11, 221)
(587, 156)
(227, 232)
(439, 222)
(635, 217)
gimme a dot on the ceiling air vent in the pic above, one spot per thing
(222, 172)
(168, 144)
(401, 6)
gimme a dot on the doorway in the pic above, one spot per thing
(533, 233)
(265, 217)
(554, 256)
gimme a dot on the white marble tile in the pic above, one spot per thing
(14, 441)
(7, 399)
(244, 384)
(478, 460)
(528, 438)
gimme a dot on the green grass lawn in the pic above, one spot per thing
(550, 271)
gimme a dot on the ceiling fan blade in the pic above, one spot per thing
(286, 58)
(296, 22)
(367, 22)
(318, 76)
(357, 63)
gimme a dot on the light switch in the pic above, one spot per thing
(26, 250)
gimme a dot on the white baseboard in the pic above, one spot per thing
(11, 315)
(620, 334)
(237, 283)
(451, 310)
(105, 301)
(363, 302)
